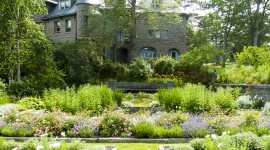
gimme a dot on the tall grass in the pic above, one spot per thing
(197, 98)
(87, 98)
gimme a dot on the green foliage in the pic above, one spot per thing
(226, 98)
(23, 89)
(248, 139)
(254, 56)
(246, 74)
(118, 97)
(154, 104)
(200, 55)
(32, 103)
(89, 98)
(164, 65)
(144, 130)
(251, 120)
(114, 124)
(244, 102)
(139, 70)
(266, 109)
(10, 145)
(8, 131)
(192, 73)
(197, 98)
(79, 61)
(198, 144)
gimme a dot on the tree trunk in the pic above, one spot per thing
(256, 33)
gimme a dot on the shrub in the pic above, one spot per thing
(144, 130)
(118, 97)
(32, 103)
(170, 98)
(175, 132)
(266, 109)
(198, 144)
(139, 70)
(196, 99)
(244, 102)
(114, 124)
(248, 139)
(164, 65)
(8, 131)
(253, 55)
(87, 127)
(226, 98)
(10, 145)
(23, 89)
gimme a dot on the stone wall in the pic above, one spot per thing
(257, 90)
(139, 86)
(82, 11)
(63, 35)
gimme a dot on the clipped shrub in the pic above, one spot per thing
(139, 70)
(32, 103)
(175, 132)
(164, 65)
(144, 130)
(198, 144)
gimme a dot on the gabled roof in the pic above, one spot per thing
(55, 12)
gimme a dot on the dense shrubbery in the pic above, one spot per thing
(89, 98)
(139, 70)
(197, 98)
(164, 65)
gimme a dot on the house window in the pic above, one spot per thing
(148, 52)
(165, 34)
(120, 37)
(156, 3)
(57, 26)
(153, 34)
(68, 25)
(174, 53)
(85, 20)
(64, 4)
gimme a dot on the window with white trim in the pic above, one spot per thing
(57, 27)
(68, 25)
(148, 52)
(174, 53)
(64, 4)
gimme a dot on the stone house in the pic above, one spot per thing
(66, 19)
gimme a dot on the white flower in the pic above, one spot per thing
(219, 144)
(39, 147)
(214, 136)
(55, 145)
(224, 133)
(207, 136)
(63, 134)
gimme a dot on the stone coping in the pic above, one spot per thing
(112, 140)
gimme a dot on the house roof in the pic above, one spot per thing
(55, 12)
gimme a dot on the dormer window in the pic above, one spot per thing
(156, 3)
(64, 4)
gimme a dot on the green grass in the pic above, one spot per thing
(132, 146)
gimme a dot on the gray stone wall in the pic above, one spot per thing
(176, 38)
(82, 11)
(62, 36)
(258, 90)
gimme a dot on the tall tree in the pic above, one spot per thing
(123, 15)
(17, 25)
